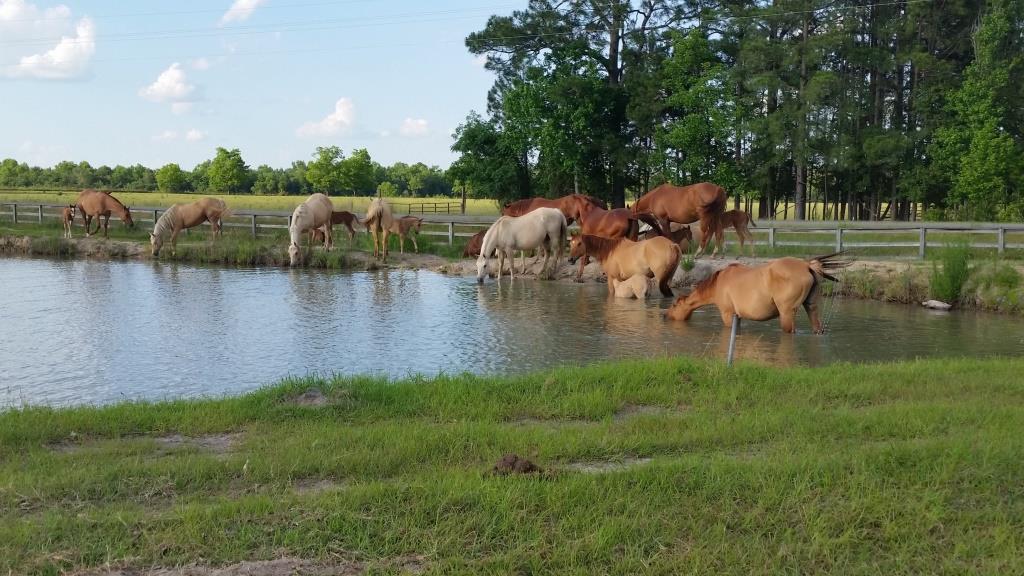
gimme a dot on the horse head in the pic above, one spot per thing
(576, 248)
(156, 242)
(293, 254)
(681, 309)
(127, 218)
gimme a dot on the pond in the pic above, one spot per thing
(93, 332)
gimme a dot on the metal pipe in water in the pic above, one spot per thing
(732, 338)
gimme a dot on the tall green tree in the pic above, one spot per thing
(171, 178)
(228, 172)
(324, 172)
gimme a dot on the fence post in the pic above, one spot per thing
(451, 233)
(15, 206)
(923, 243)
(771, 237)
(253, 225)
(156, 216)
(40, 213)
(1001, 240)
(839, 239)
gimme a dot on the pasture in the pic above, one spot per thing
(671, 466)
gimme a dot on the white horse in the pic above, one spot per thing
(314, 213)
(379, 222)
(543, 228)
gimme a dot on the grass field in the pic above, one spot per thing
(657, 467)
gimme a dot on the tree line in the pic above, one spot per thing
(330, 172)
(867, 109)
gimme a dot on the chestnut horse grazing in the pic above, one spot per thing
(739, 219)
(67, 216)
(94, 203)
(379, 222)
(543, 228)
(473, 245)
(621, 258)
(181, 216)
(685, 204)
(314, 213)
(775, 289)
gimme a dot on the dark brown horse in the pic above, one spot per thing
(739, 220)
(474, 244)
(685, 204)
(94, 203)
(567, 204)
(678, 233)
(343, 217)
(617, 223)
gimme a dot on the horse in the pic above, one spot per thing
(685, 204)
(678, 233)
(181, 216)
(617, 223)
(343, 217)
(406, 226)
(473, 245)
(67, 217)
(567, 204)
(379, 221)
(775, 289)
(739, 219)
(543, 228)
(314, 213)
(622, 258)
(93, 203)
(635, 286)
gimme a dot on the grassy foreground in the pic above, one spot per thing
(654, 467)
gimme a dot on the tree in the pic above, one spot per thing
(356, 173)
(228, 172)
(171, 178)
(488, 162)
(387, 190)
(324, 173)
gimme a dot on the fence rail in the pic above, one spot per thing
(818, 234)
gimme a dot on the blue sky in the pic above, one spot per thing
(168, 81)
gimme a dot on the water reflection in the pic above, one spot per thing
(92, 332)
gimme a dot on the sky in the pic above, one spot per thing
(166, 81)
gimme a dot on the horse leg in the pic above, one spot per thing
(174, 241)
(106, 224)
(663, 283)
(719, 241)
(401, 243)
(328, 237)
(501, 263)
(373, 232)
(787, 318)
(811, 307)
(579, 272)
(415, 246)
(385, 250)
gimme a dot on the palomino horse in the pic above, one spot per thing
(775, 289)
(621, 258)
(473, 245)
(94, 203)
(739, 219)
(567, 204)
(379, 222)
(314, 213)
(617, 223)
(635, 287)
(543, 228)
(685, 204)
(343, 217)
(67, 217)
(182, 216)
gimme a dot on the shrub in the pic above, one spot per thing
(947, 280)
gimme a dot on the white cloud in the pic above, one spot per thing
(166, 135)
(200, 63)
(195, 135)
(240, 10)
(413, 127)
(170, 86)
(23, 27)
(337, 121)
(180, 108)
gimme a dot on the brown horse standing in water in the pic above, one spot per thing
(182, 216)
(94, 203)
(771, 290)
(621, 258)
(685, 204)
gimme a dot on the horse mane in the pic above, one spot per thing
(599, 247)
(593, 201)
(516, 208)
(165, 221)
(378, 213)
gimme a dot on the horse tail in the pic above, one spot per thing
(649, 219)
(664, 284)
(823, 265)
(711, 213)
(750, 220)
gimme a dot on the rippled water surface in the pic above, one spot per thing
(76, 332)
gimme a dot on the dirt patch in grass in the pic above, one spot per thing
(513, 464)
(278, 567)
(311, 397)
(602, 466)
(316, 486)
(212, 443)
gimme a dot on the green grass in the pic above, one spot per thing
(894, 469)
